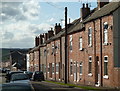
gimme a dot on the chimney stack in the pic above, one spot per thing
(85, 11)
(36, 41)
(50, 33)
(41, 38)
(101, 3)
(57, 28)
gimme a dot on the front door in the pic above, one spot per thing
(97, 74)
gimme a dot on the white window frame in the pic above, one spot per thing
(106, 76)
(81, 66)
(53, 65)
(90, 73)
(80, 43)
(57, 65)
(90, 37)
(105, 34)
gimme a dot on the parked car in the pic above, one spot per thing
(19, 77)
(9, 74)
(16, 87)
(38, 75)
(29, 73)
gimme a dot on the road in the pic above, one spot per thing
(46, 86)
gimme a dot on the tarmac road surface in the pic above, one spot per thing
(46, 86)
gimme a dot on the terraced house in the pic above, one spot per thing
(93, 48)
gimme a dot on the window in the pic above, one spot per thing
(90, 65)
(70, 42)
(90, 36)
(53, 49)
(57, 47)
(53, 70)
(81, 68)
(71, 67)
(105, 33)
(105, 65)
(80, 43)
(48, 68)
(57, 68)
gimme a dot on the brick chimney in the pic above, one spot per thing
(36, 41)
(57, 28)
(85, 11)
(50, 33)
(41, 38)
(101, 3)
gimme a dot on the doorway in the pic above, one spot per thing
(97, 74)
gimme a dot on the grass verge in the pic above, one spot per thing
(73, 85)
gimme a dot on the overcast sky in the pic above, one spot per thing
(22, 21)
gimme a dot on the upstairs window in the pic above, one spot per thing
(90, 37)
(105, 33)
(80, 43)
(70, 42)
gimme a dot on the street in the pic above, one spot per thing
(46, 86)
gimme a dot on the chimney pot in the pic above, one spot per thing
(83, 5)
(55, 24)
(87, 5)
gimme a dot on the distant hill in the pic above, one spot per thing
(5, 53)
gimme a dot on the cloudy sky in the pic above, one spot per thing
(22, 21)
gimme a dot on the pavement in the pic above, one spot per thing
(2, 78)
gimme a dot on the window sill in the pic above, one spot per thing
(70, 50)
(81, 49)
(105, 44)
(56, 72)
(89, 45)
(80, 74)
(105, 77)
(90, 74)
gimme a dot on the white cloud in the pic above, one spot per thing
(19, 11)
(22, 34)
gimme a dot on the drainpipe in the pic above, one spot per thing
(95, 48)
(39, 58)
(60, 59)
(101, 75)
(46, 62)
(54, 61)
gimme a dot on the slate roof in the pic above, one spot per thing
(105, 10)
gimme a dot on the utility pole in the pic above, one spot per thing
(66, 53)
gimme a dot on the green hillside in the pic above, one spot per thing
(5, 53)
